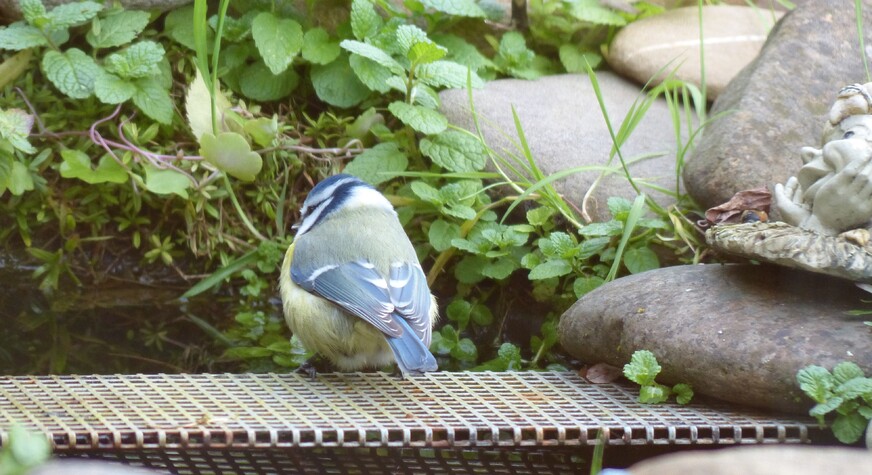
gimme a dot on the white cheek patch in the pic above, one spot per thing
(364, 196)
(310, 219)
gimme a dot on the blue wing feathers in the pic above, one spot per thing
(411, 354)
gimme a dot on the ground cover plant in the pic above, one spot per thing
(148, 156)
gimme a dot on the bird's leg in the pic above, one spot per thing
(311, 365)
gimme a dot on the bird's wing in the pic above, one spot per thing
(356, 287)
(411, 297)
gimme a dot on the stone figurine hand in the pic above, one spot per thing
(788, 200)
(845, 201)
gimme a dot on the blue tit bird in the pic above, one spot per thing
(352, 288)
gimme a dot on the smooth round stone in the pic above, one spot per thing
(655, 46)
(779, 102)
(565, 129)
(760, 460)
(738, 333)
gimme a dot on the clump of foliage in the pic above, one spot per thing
(642, 369)
(24, 452)
(845, 391)
(107, 168)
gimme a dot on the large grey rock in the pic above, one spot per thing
(735, 332)
(657, 45)
(760, 460)
(779, 102)
(565, 129)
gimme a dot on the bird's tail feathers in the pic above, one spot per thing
(409, 351)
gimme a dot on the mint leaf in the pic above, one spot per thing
(447, 74)
(575, 59)
(153, 100)
(230, 153)
(138, 60)
(177, 25)
(318, 48)
(854, 388)
(683, 393)
(816, 382)
(73, 72)
(19, 36)
(111, 89)
(278, 40)
(370, 73)
(640, 259)
(259, 83)
(33, 12)
(455, 151)
(462, 52)
(466, 8)
(499, 269)
(117, 29)
(365, 21)
(378, 164)
(642, 368)
(549, 269)
(19, 179)
(374, 53)
(822, 409)
(849, 428)
(846, 371)
(583, 285)
(165, 182)
(422, 119)
(653, 394)
(72, 14)
(336, 83)
(442, 233)
(592, 12)
(15, 127)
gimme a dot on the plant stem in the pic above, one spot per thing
(240, 212)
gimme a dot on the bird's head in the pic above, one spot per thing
(334, 195)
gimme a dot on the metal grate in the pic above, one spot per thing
(369, 410)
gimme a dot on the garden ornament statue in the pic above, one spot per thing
(827, 207)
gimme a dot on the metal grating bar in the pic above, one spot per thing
(368, 410)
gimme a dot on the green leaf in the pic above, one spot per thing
(372, 74)
(849, 428)
(683, 393)
(318, 48)
(177, 25)
(510, 355)
(72, 72)
(198, 109)
(583, 285)
(854, 388)
(152, 99)
(72, 14)
(642, 368)
(846, 371)
(463, 52)
(640, 259)
(549, 269)
(468, 270)
(336, 83)
(259, 83)
(465, 8)
(365, 21)
(15, 127)
(575, 59)
(138, 60)
(455, 151)
(19, 36)
(374, 53)
(111, 89)
(278, 40)
(426, 192)
(653, 394)
(33, 12)
(379, 164)
(592, 12)
(230, 153)
(458, 311)
(165, 182)
(77, 164)
(117, 29)
(424, 120)
(465, 350)
(441, 233)
(816, 382)
(499, 269)
(19, 179)
(824, 408)
(246, 352)
(28, 450)
(540, 216)
(447, 74)
(608, 228)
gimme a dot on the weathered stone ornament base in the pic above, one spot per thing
(848, 255)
